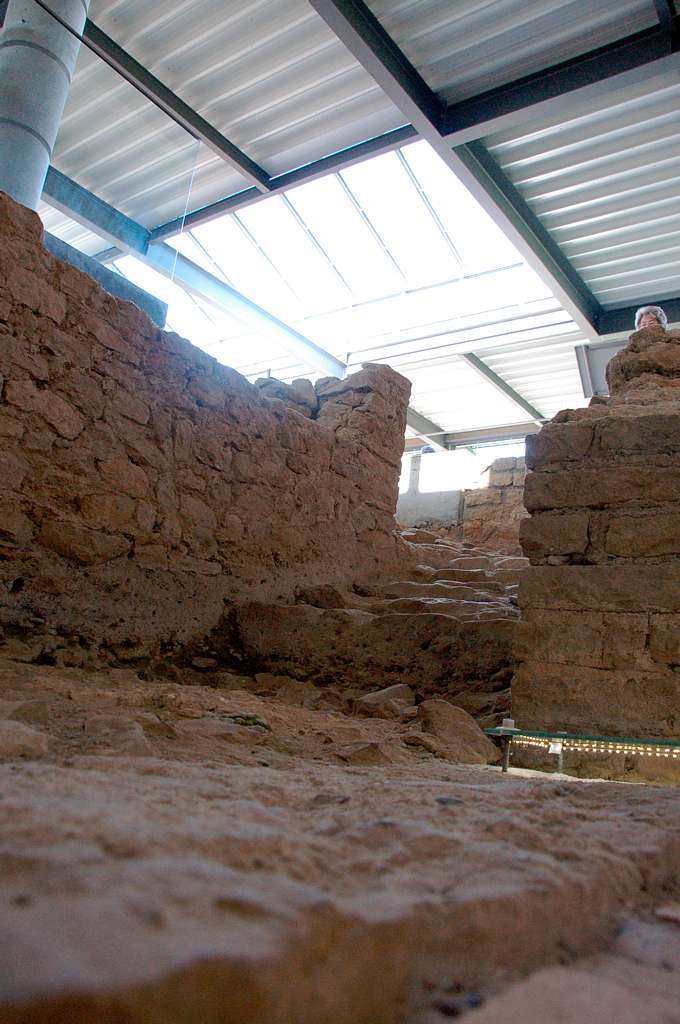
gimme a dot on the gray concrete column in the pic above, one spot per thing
(37, 58)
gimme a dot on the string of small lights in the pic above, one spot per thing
(590, 744)
(598, 747)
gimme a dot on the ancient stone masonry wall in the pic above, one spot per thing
(144, 484)
(599, 645)
(492, 514)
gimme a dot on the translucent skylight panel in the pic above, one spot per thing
(329, 212)
(295, 255)
(247, 268)
(188, 246)
(480, 243)
(392, 203)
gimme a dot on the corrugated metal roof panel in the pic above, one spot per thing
(463, 48)
(269, 74)
(606, 183)
(545, 373)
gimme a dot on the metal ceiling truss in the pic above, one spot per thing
(451, 130)
(482, 435)
(154, 90)
(636, 57)
(650, 53)
(363, 35)
(668, 16)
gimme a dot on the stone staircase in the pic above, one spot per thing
(445, 627)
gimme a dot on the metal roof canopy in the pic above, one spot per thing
(650, 54)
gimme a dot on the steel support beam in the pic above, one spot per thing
(667, 14)
(426, 429)
(592, 363)
(529, 234)
(483, 435)
(502, 385)
(165, 99)
(128, 236)
(363, 35)
(83, 206)
(168, 262)
(644, 55)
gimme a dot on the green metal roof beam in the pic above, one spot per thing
(501, 385)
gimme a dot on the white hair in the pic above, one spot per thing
(655, 311)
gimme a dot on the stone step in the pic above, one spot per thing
(457, 609)
(448, 590)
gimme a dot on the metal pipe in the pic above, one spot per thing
(37, 59)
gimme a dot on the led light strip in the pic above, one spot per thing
(599, 746)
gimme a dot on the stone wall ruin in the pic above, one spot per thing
(599, 641)
(145, 484)
(492, 514)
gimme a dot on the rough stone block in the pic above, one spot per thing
(593, 486)
(29, 289)
(554, 534)
(646, 432)
(59, 413)
(482, 496)
(623, 587)
(125, 476)
(644, 535)
(115, 512)
(558, 442)
(561, 637)
(77, 543)
(622, 702)
(626, 641)
(500, 478)
(664, 640)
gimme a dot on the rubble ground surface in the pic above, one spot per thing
(177, 853)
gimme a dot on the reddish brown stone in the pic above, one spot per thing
(77, 543)
(59, 413)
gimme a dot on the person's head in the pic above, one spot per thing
(650, 316)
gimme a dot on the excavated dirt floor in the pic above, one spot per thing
(176, 853)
